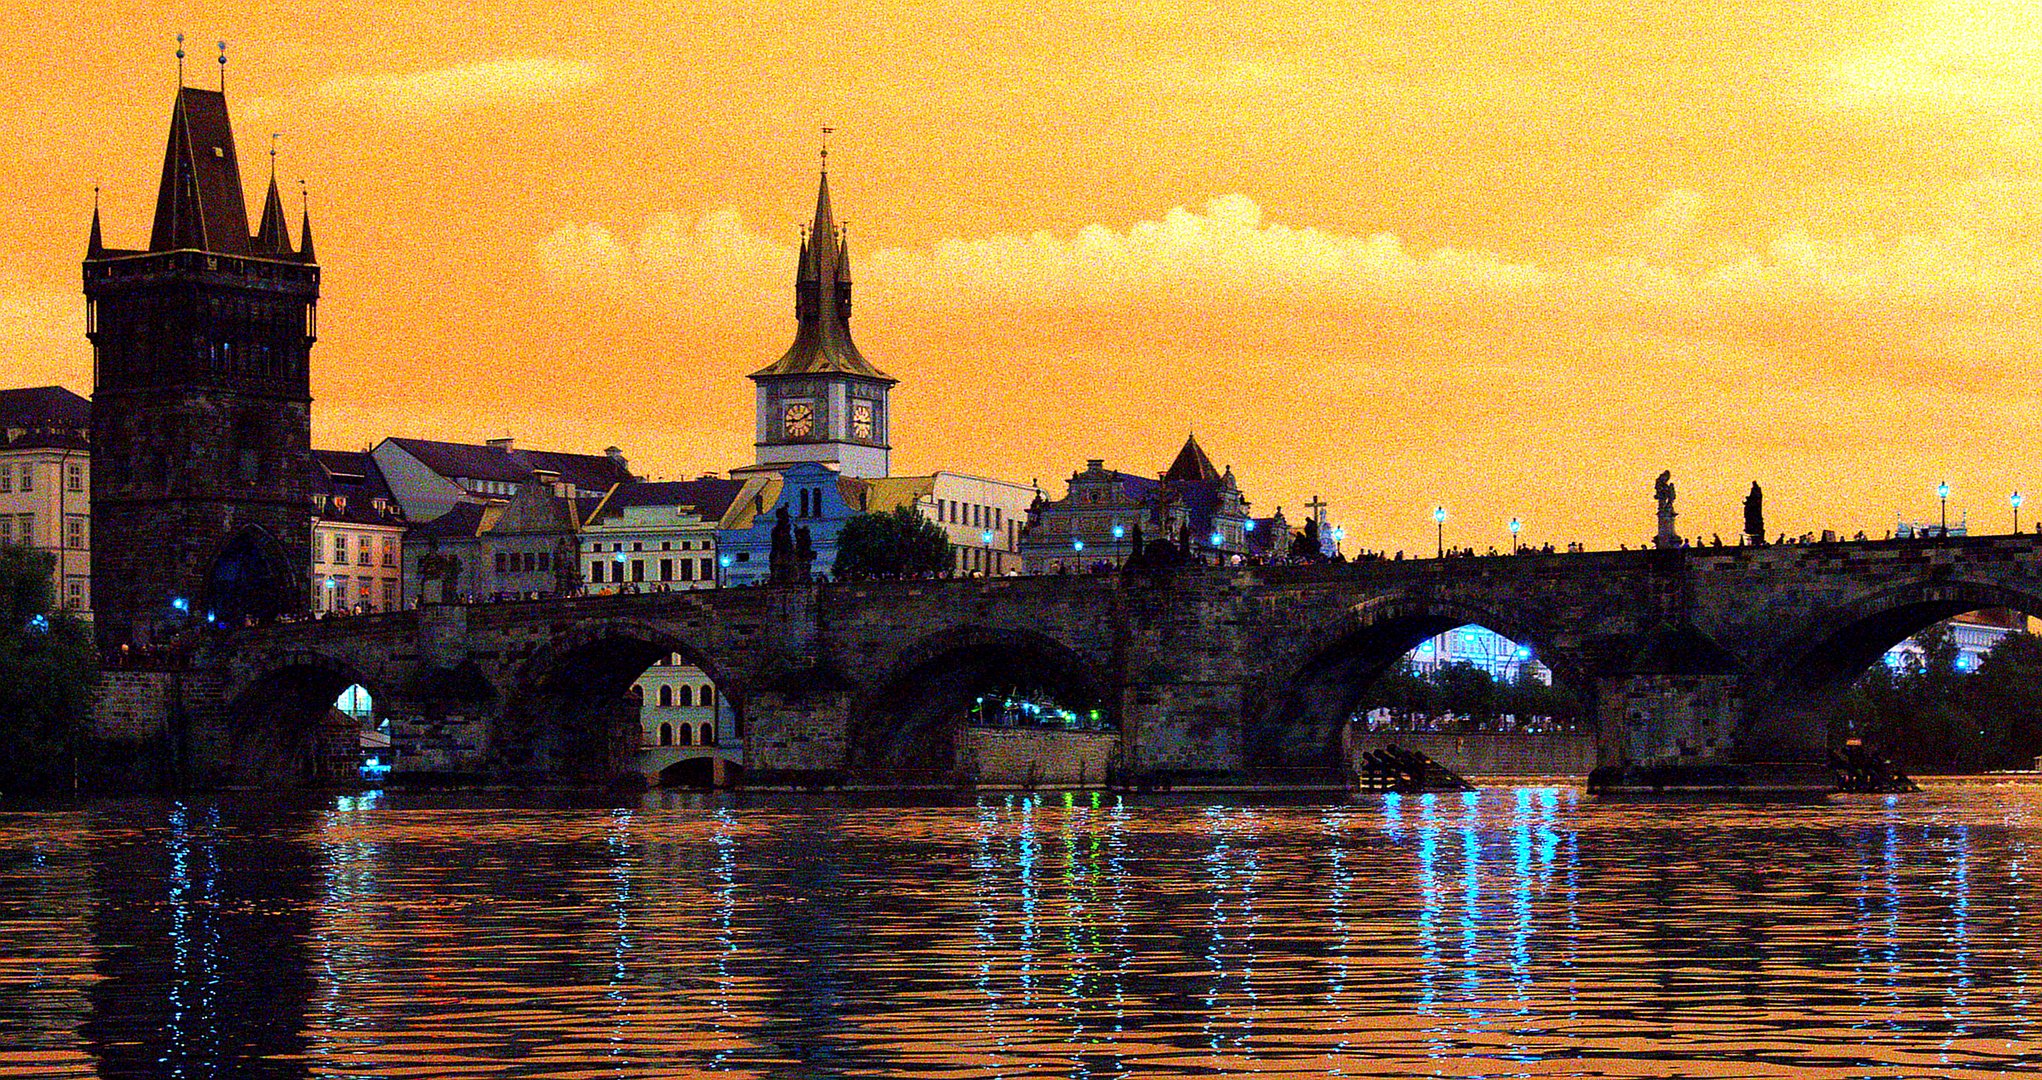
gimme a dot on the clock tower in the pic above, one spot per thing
(823, 401)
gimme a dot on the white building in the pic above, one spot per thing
(45, 484)
(982, 517)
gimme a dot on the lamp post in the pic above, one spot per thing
(2015, 499)
(1943, 493)
(1515, 525)
(986, 540)
(1439, 520)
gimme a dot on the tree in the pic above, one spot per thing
(46, 675)
(900, 541)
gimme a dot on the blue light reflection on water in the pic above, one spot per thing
(1517, 932)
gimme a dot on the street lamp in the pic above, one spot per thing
(1439, 519)
(2015, 499)
(1943, 493)
(1515, 525)
(986, 538)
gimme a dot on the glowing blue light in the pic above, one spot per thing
(39, 624)
(1217, 539)
(725, 561)
(2015, 498)
(1943, 490)
(1119, 532)
(986, 537)
(1439, 514)
(1077, 545)
(180, 603)
(618, 557)
(1523, 653)
(1514, 526)
(1250, 526)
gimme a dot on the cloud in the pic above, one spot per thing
(1948, 300)
(1966, 55)
(489, 83)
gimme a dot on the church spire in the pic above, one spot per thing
(273, 236)
(199, 202)
(822, 297)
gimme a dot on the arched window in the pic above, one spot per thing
(687, 733)
(708, 735)
(666, 696)
(666, 734)
(708, 695)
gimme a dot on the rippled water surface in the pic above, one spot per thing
(1518, 932)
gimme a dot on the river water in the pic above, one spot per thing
(1513, 932)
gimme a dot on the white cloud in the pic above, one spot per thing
(489, 83)
(1968, 55)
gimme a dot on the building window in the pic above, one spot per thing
(27, 477)
(339, 548)
(708, 735)
(74, 531)
(595, 572)
(74, 593)
(666, 569)
(708, 695)
(638, 569)
(666, 697)
(389, 594)
(74, 478)
(6, 478)
(364, 556)
(709, 571)
(545, 560)
(502, 563)
(389, 552)
(687, 569)
(687, 734)
(666, 734)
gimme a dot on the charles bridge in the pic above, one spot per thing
(1695, 654)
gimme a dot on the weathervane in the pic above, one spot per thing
(826, 133)
(180, 60)
(223, 67)
(273, 137)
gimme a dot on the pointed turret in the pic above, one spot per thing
(273, 237)
(822, 303)
(305, 238)
(95, 246)
(199, 203)
(1192, 465)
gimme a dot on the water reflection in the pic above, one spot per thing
(1511, 932)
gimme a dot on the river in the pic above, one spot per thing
(1517, 931)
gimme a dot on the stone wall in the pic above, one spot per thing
(1483, 754)
(1031, 758)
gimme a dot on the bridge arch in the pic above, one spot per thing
(1314, 687)
(573, 713)
(1835, 645)
(909, 720)
(280, 719)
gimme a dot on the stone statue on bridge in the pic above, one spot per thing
(1663, 491)
(1754, 515)
(804, 554)
(781, 561)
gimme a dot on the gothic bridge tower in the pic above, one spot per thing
(201, 399)
(823, 401)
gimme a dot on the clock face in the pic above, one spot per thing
(861, 419)
(798, 421)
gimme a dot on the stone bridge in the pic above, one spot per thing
(1701, 654)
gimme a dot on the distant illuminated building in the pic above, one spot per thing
(1479, 647)
(1974, 635)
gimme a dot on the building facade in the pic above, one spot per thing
(46, 485)
(656, 535)
(816, 497)
(982, 517)
(201, 402)
(525, 547)
(1192, 505)
(357, 536)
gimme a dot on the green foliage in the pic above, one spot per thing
(1474, 698)
(46, 675)
(891, 544)
(1929, 717)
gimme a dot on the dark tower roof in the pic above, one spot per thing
(273, 237)
(305, 238)
(822, 304)
(1191, 466)
(199, 203)
(95, 246)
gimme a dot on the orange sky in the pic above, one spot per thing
(1511, 256)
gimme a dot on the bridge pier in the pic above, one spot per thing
(796, 734)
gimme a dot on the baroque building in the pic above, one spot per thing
(201, 398)
(1190, 504)
(45, 484)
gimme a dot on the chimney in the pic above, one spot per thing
(616, 457)
(505, 444)
(1095, 464)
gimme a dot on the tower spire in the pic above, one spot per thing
(273, 236)
(95, 245)
(223, 67)
(305, 226)
(180, 59)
